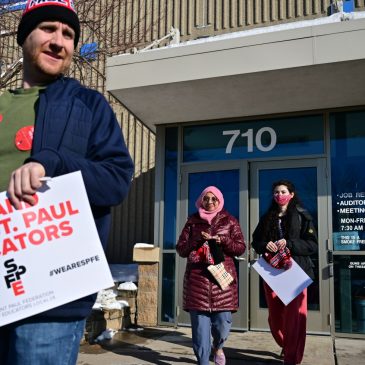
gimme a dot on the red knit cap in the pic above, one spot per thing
(37, 11)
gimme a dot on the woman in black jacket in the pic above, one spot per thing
(287, 224)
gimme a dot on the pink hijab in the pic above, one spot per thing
(205, 214)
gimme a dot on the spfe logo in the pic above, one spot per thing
(12, 279)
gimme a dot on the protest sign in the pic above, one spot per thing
(50, 253)
(287, 284)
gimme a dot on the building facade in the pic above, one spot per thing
(258, 91)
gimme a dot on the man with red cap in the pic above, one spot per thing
(50, 127)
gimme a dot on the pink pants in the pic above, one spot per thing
(288, 324)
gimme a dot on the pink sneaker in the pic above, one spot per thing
(220, 359)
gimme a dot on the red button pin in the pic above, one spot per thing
(24, 138)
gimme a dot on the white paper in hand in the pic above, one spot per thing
(287, 284)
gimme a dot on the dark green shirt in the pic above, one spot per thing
(17, 115)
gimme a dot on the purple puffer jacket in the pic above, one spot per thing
(201, 291)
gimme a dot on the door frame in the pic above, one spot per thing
(318, 321)
(240, 318)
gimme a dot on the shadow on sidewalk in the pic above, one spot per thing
(165, 347)
(254, 357)
(140, 345)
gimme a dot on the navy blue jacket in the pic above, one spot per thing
(76, 129)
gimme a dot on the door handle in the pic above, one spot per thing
(240, 258)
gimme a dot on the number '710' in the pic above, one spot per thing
(235, 133)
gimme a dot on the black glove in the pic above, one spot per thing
(216, 251)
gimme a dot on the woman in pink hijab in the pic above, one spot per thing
(210, 240)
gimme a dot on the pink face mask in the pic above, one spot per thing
(282, 199)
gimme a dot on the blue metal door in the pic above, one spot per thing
(309, 178)
(232, 181)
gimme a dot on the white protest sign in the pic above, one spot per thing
(287, 284)
(50, 254)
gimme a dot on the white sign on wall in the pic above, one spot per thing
(50, 253)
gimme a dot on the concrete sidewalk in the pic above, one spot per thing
(172, 346)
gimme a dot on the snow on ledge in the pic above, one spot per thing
(334, 18)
